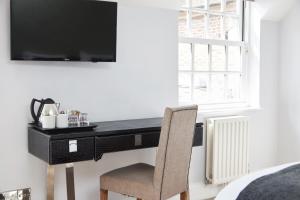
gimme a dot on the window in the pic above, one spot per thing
(212, 53)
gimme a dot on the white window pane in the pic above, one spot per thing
(182, 23)
(215, 5)
(234, 58)
(233, 92)
(201, 94)
(210, 73)
(185, 56)
(218, 61)
(198, 24)
(201, 57)
(231, 28)
(231, 6)
(217, 88)
(199, 4)
(185, 82)
(214, 27)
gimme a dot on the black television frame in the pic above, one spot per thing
(12, 58)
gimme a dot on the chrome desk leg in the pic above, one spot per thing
(70, 181)
(50, 182)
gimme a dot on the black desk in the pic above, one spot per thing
(114, 136)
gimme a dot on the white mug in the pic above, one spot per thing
(62, 121)
(48, 121)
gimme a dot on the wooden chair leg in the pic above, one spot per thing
(185, 195)
(103, 194)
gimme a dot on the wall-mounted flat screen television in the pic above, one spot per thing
(63, 30)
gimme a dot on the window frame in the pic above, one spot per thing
(242, 43)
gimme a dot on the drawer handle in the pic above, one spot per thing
(137, 140)
(72, 146)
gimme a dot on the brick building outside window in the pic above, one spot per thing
(212, 53)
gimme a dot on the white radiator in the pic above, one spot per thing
(227, 156)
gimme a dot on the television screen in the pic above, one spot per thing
(63, 30)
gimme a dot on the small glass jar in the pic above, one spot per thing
(83, 119)
(73, 120)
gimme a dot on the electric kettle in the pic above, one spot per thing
(47, 107)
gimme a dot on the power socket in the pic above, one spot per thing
(24, 194)
(20, 194)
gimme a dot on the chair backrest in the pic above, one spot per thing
(174, 151)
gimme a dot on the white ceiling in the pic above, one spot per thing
(275, 9)
(269, 9)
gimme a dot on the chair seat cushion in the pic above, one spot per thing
(135, 180)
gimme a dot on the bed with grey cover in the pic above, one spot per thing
(277, 183)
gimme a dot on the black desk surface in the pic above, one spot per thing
(108, 137)
(130, 125)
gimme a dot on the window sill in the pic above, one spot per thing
(226, 110)
(204, 113)
(206, 110)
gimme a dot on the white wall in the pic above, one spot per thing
(169, 4)
(267, 122)
(140, 84)
(289, 146)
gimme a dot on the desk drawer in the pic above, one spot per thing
(73, 150)
(114, 143)
(126, 142)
